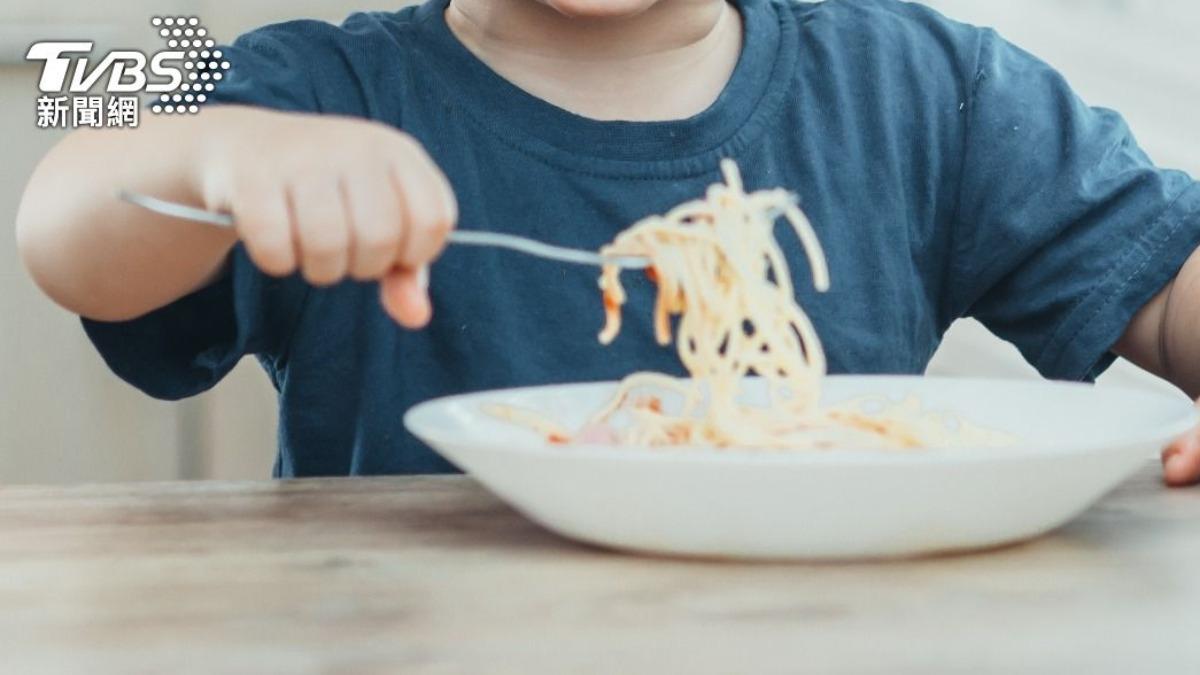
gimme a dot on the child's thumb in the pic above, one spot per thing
(405, 296)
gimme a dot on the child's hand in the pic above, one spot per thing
(1181, 460)
(333, 197)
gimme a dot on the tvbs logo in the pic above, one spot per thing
(181, 76)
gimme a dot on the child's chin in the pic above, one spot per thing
(600, 9)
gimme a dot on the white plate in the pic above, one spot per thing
(1075, 443)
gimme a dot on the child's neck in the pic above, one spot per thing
(669, 62)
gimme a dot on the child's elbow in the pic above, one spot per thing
(34, 237)
(41, 245)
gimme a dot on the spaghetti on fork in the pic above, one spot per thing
(724, 282)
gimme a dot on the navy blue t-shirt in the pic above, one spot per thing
(947, 173)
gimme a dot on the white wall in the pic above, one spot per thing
(63, 418)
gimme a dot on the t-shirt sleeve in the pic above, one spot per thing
(186, 347)
(1065, 227)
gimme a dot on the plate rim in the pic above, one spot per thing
(742, 456)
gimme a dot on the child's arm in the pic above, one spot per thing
(1162, 339)
(331, 197)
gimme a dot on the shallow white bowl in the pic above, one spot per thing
(1075, 443)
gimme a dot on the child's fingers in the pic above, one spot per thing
(1181, 460)
(265, 228)
(405, 295)
(422, 190)
(377, 219)
(321, 231)
(448, 202)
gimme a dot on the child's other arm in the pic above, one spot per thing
(330, 197)
(1164, 338)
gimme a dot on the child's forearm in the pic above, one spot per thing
(108, 260)
(328, 197)
(1162, 337)
(1181, 323)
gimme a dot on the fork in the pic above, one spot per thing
(510, 242)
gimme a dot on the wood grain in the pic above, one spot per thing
(434, 575)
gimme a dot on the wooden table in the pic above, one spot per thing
(434, 575)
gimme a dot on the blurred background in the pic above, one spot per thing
(64, 418)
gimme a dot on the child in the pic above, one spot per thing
(947, 172)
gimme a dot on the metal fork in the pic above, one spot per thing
(457, 237)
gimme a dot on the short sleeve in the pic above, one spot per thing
(1065, 228)
(186, 347)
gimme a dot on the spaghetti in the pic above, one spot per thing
(723, 279)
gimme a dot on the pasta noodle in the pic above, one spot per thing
(724, 281)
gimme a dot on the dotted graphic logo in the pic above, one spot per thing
(203, 64)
